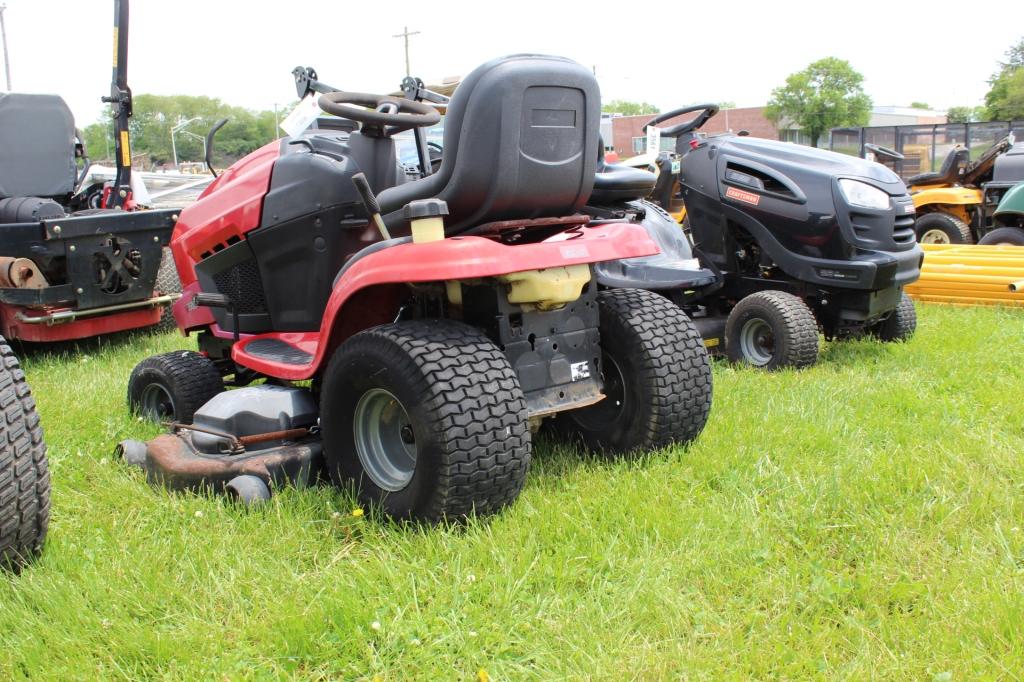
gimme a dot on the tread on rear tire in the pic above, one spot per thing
(427, 418)
(657, 377)
(24, 470)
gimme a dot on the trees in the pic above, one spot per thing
(1005, 99)
(825, 95)
(627, 108)
(919, 105)
(155, 115)
(965, 114)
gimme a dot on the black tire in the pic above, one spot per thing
(900, 325)
(172, 386)
(939, 227)
(24, 471)
(1012, 236)
(167, 282)
(247, 490)
(657, 377)
(772, 330)
(460, 420)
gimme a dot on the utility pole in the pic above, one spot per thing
(405, 34)
(7, 60)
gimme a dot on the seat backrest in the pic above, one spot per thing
(520, 141)
(37, 146)
(951, 165)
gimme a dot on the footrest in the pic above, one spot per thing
(277, 350)
(284, 356)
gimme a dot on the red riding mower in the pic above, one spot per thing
(438, 321)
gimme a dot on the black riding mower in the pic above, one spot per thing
(799, 240)
(408, 337)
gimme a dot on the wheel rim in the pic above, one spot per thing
(156, 403)
(935, 236)
(607, 411)
(384, 439)
(757, 342)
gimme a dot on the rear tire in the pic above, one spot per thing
(657, 377)
(172, 386)
(167, 282)
(24, 470)
(900, 325)
(427, 418)
(939, 227)
(1009, 236)
(772, 330)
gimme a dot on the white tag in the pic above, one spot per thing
(653, 140)
(580, 370)
(302, 116)
(676, 166)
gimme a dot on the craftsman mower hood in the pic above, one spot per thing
(797, 161)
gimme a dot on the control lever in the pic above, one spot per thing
(210, 300)
(370, 202)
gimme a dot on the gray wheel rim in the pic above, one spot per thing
(757, 342)
(384, 439)
(156, 402)
(935, 236)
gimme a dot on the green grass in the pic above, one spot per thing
(863, 519)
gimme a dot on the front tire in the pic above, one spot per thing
(1004, 236)
(772, 330)
(172, 386)
(657, 377)
(900, 325)
(24, 470)
(427, 418)
(939, 227)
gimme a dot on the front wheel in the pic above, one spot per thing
(1004, 236)
(772, 330)
(939, 227)
(172, 386)
(656, 376)
(427, 418)
(900, 325)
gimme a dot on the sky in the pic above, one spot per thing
(666, 53)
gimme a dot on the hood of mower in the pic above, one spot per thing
(797, 161)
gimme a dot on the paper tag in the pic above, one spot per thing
(302, 116)
(580, 370)
(653, 140)
(676, 166)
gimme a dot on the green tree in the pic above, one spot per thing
(965, 114)
(919, 105)
(627, 108)
(825, 95)
(155, 115)
(1005, 98)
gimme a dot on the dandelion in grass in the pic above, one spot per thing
(375, 625)
(357, 512)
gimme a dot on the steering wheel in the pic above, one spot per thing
(390, 114)
(706, 112)
(879, 150)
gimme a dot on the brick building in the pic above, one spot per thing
(629, 140)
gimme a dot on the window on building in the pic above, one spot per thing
(639, 145)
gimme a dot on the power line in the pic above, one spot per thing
(3, 35)
(405, 34)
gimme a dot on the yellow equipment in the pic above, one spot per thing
(968, 274)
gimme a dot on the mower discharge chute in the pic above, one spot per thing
(439, 320)
(800, 240)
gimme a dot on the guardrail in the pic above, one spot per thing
(967, 274)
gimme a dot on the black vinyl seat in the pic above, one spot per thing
(948, 174)
(37, 146)
(614, 182)
(520, 142)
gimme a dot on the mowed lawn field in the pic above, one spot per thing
(863, 519)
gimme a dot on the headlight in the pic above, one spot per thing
(863, 194)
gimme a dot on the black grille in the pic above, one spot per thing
(242, 284)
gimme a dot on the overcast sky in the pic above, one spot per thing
(668, 53)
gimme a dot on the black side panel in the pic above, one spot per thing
(235, 273)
